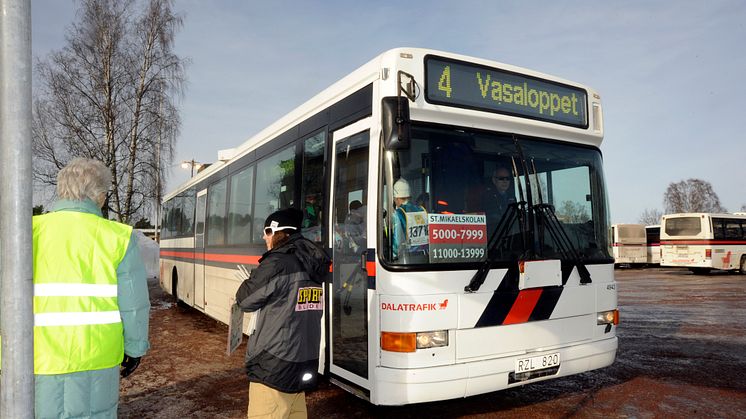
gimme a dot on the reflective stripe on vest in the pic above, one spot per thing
(77, 325)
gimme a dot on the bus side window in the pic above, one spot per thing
(312, 186)
(275, 185)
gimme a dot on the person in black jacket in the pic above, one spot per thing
(498, 195)
(282, 355)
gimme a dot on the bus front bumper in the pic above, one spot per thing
(406, 386)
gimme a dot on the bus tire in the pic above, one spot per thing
(743, 265)
(175, 290)
(175, 286)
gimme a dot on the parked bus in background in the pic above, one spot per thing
(629, 244)
(653, 237)
(703, 242)
(476, 296)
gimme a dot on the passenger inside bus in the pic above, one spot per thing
(353, 242)
(498, 194)
(311, 211)
(355, 227)
(410, 226)
(311, 224)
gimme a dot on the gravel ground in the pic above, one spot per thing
(682, 353)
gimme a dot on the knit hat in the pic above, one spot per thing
(401, 189)
(297, 216)
(284, 219)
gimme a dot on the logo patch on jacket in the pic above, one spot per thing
(310, 298)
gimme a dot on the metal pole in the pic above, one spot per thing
(16, 272)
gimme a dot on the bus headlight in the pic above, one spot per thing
(432, 339)
(608, 317)
(410, 342)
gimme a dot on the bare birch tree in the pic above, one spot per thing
(110, 94)
(651, 216)
(691, 195)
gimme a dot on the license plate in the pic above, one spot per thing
(537, 362)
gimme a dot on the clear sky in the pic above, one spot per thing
(671, 74)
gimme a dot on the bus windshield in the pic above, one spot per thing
(462, 196)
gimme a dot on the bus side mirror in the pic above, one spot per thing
(395, 122)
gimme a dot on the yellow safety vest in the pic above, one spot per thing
(77, 325)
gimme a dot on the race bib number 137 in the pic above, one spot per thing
(417, 228)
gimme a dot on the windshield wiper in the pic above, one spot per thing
(562, 239)
(548, 216)
(531, 252)
(514, 212)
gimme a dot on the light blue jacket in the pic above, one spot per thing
(400, 227)
(95, 394)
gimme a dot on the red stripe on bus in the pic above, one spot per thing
(370, 267)
(187, 255)
(245, 259)
(214, 257)
(703, 242)
(523, 306)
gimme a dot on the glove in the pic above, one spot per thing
(129, 365)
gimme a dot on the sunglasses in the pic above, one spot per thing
(269, 231)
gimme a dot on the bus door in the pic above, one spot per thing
(199, 250)
(348, 314)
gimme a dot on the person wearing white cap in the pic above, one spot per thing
(410, 222)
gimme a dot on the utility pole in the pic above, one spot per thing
(16, 271)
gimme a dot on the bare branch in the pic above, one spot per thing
(651, 216)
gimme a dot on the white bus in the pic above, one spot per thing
(703, 241)
(629, 244)
(474, 300)
(653, 238)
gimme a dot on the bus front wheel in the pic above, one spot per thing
(743, 265)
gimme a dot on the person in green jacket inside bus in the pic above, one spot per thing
(91, 305)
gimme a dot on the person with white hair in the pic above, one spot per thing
(410, 224)
(91, 304)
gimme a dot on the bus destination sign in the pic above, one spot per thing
(467, 85)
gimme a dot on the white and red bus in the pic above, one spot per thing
(704, 241)
(477, 298)
(629, 244)
(653, 239)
